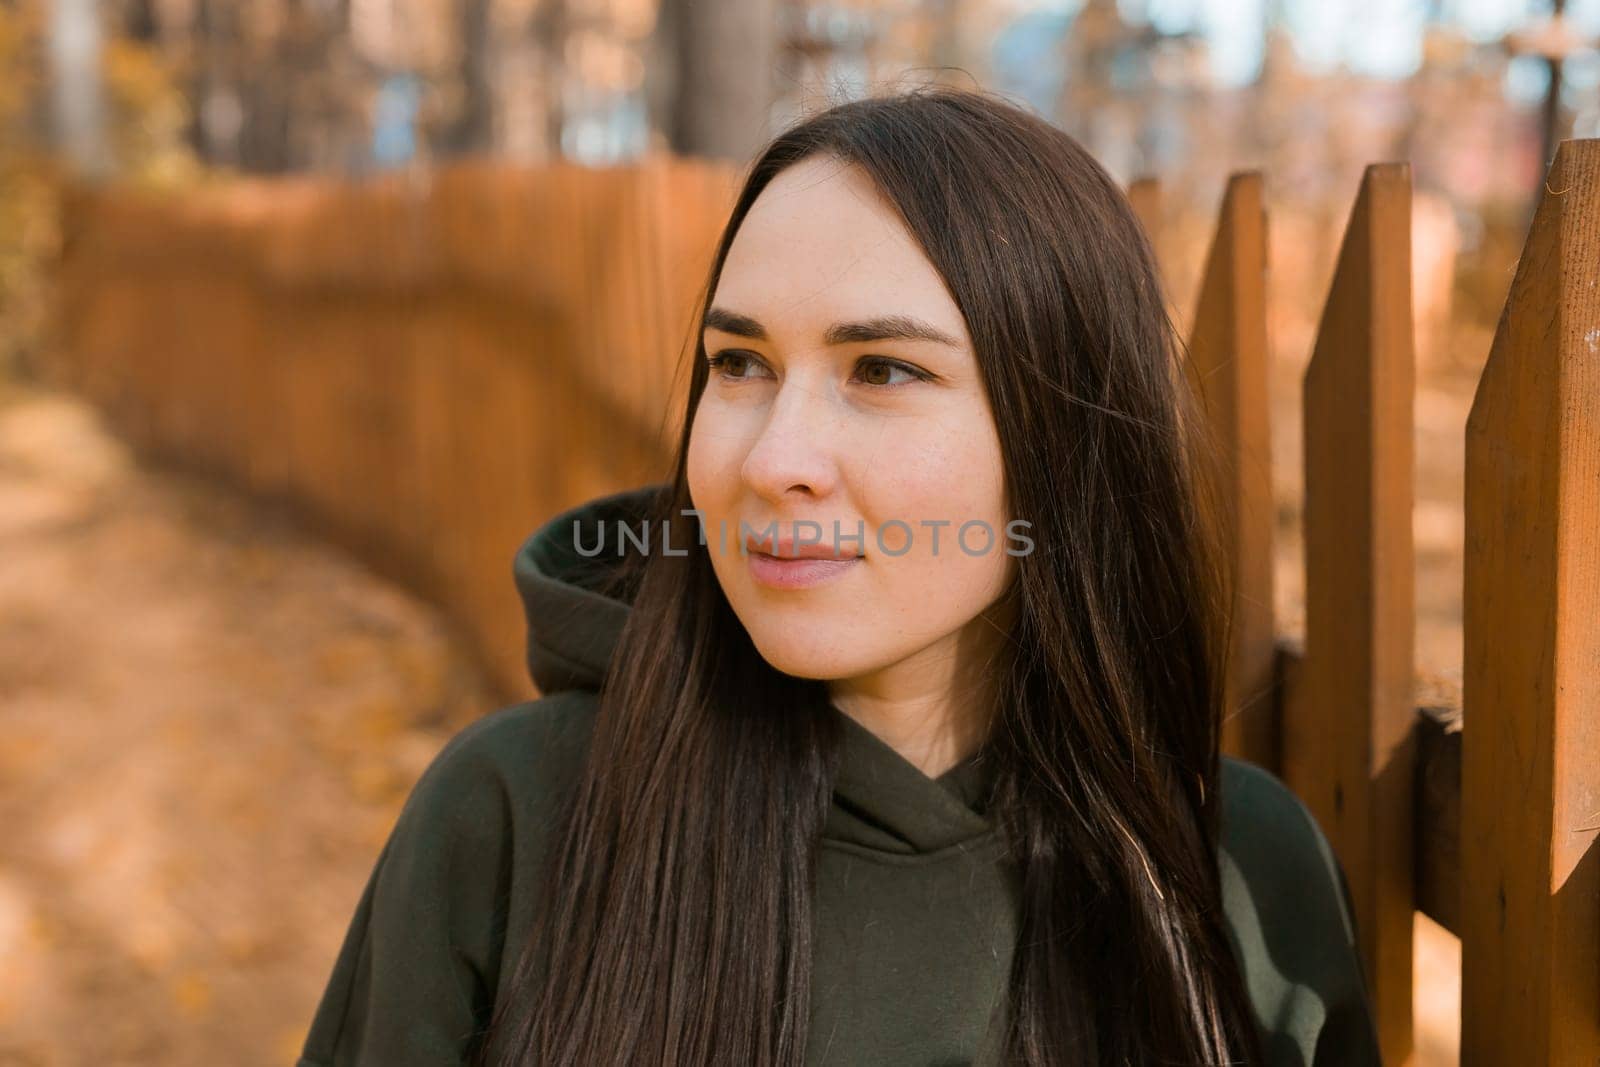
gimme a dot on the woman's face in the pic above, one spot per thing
(818, 412)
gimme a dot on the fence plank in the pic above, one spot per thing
(1348, 737)
(1144, 194)
(1531, 688)
(1436, 816)
(1228, 349)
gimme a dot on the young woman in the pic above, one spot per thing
(948, 794)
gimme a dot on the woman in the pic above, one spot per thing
(939, 797)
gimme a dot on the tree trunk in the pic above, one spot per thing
(724, 84)
(78, 106)
(472, 129)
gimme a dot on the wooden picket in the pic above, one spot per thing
(1530, 775)
(1228, 353)
(1348, 713)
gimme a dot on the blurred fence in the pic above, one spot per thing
(432, 370)
(426, 369)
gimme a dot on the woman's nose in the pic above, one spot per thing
(797, 447)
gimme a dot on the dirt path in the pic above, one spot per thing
(208, 721)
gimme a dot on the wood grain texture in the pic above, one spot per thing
(1436, 792)
(1228, 355)
(1347, 733)
(1530, 889)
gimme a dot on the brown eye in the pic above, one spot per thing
(879, 372)
(730, 363)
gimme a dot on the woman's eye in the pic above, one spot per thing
(879, 371)
(730, 364)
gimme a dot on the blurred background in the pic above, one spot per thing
(311, 309)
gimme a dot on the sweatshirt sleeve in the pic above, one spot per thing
(1289, 910)
(414, 980)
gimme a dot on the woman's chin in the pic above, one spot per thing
(820, 660)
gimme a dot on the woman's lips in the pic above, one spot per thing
(776, 573)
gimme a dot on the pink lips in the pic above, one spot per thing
(797, 573)
(791, 566)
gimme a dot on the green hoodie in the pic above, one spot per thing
(915, 909)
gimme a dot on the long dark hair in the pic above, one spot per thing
(676, 924)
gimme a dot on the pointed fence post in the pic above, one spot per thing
(1348, 714)
(1228, 349)
(1530, 841)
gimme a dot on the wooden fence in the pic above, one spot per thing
(1490, 830)
(426, 370)
(430, 371)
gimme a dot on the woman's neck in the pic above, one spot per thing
(932, 743)
(936, 706)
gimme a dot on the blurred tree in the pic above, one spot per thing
(472, 130)
(547, 29)
(217, 112)
(75, 81)
(139, 22)
(723, 53)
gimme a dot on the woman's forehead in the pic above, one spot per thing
(826, 205)
(826, 246)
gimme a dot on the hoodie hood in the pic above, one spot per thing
(573, 626)
(575, 617)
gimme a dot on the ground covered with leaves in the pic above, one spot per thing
(208, 721)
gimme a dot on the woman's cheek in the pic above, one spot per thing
(708, 461)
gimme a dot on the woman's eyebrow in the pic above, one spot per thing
(882, 328)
